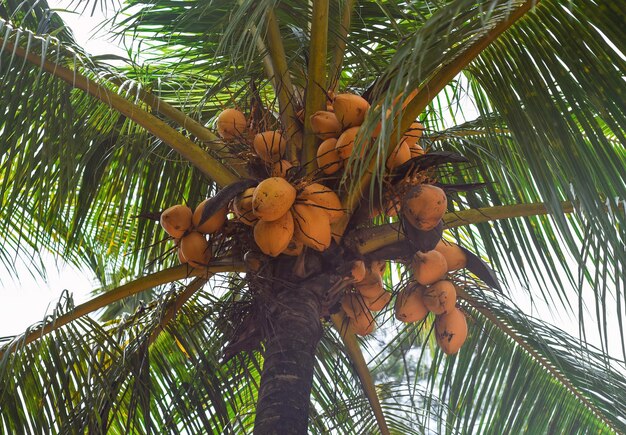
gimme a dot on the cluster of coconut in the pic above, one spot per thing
(270, 145)
(429, 291)
(339, 125)
(369, 295)
(286, 217)
(190, 234)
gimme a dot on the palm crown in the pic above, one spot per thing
(89, 152)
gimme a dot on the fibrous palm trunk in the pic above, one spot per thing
(287, 377)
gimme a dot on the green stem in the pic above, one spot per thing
(423, 96)
(371, 239)
(316, 80)
(340, 45)
(180, 143)
(540, 359)
(141, 284)
(282, 77)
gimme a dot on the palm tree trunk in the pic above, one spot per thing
(284, 394)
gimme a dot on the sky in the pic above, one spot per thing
(26, 299)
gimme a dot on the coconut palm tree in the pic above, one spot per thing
(523, 105)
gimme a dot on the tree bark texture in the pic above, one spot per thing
(287, 377)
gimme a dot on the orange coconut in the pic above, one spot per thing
(350, 109)
(242, 207)
(409, 306)
(353, 304)
(378, 303)
(270, 146)
(294, 248)
(440, 297)
(363, 323)
(325, 124)
(451, 331)
(429, 267)
(424, 206)
(195, 249)
(454, 255)
(312, 226)
(400, 155)
(325, 198)
(272, 198)
(231, 124)
(176, 220)
(328, 158)
(358, 271)
(273, 237)
(211, 225)
(416, 150)
(280, 168)
(371, 286)
(413, 134)
(345, 143)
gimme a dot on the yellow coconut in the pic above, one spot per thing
(181, 257)
(363, 323)
(195, 249)
(379, 266)
(353, 304)
(413, 134)
(409, 306)
(416, 150)
(294, 248)
(280, 168)
(358, 271)
(345, 143)
(424, 206)
(312, 226)
(231, 124)
(325, 198)
(270, 146)
(451, 331)
(272, 198)
(328, 158)
(211, 225)
(242, 207)
(176, 220)
(325, 124)
(273, 237)
(350, 109)
(440, 297)
(378, 303)
(429, 267)
(400, 155)
(454, 255)
(371, 286)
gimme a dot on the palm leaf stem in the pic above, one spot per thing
(285, 89)
(340, 46)
(423, 96)
(177, 304)
(316, 80)
(358, 360)
(121, 292)
(180, 143)
(206, 136)
(371, 239)
(464, 133)
(429, 90)
(535, 355)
